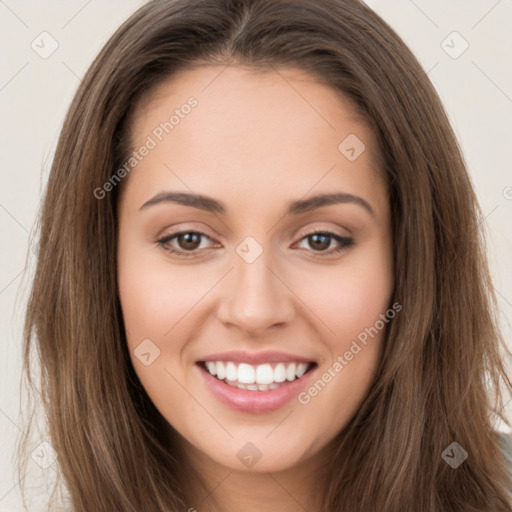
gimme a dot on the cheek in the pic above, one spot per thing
(154, 296)
(350, 298)
(153, 299)
(362, 298)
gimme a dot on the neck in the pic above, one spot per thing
(222, 489)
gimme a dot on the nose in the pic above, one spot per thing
(255, 298)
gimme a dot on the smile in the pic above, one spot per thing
(262, 377)
(255, 384)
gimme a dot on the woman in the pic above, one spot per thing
(261, 283)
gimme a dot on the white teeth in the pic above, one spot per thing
(221, 371)
(290, 372)
(280, 373)
(301, 369)
(252, 387)
(212, 367)
(231, 372)
(261, 377)
(264, 374)
(246, 373)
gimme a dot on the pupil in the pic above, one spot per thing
(189, 240)
(323, 245)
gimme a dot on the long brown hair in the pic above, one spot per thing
(442, 369)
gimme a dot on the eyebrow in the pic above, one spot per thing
(209, 204)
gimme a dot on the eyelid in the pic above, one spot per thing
(319, 229)
(182, 230)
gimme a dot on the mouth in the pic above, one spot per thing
(262, 377)
(256, 383)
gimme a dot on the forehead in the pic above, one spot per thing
(294, 96)
(280, 130)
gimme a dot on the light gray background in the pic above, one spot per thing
(35, 92)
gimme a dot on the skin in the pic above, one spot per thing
(255, 142)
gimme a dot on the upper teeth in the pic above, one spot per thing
(261, 374)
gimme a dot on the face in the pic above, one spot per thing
(254, 263)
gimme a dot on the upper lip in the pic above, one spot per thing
(255, 358)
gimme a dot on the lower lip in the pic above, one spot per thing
(255, 402)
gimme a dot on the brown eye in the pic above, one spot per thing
(319, 241)
(189, 241)
(185, 243)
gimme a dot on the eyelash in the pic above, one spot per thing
(344, 242)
